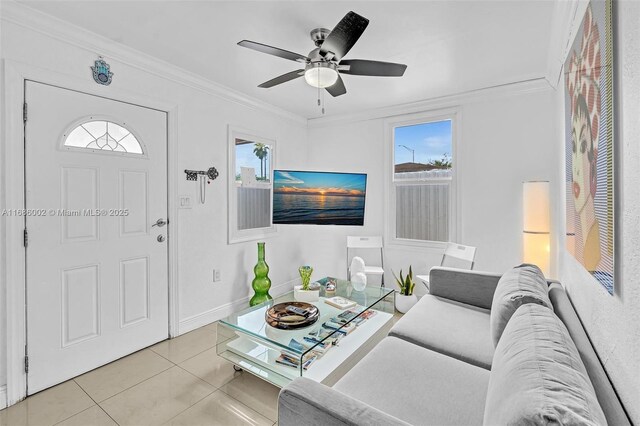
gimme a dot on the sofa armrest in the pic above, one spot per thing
(304, 402)
(471, 287)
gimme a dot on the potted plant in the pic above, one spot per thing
(305, 292)
(405, 299)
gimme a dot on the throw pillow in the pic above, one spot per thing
(518, 286)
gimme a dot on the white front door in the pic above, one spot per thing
(96, 182)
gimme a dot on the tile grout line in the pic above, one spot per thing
(236, 399)
(250, 408)
(80, 412)
(199, 328)
(95, 402)
(191, 406)
(149, 378)
(186, 358)
(199, 378)
(222, 391)
(200, 353)
(125, 389)
(132, 386)
(215, 389)
(246, 405)
(174, 364)
(160, 355)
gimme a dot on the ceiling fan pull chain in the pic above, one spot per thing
(323, 102)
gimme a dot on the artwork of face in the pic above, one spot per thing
(589, 144)
(582, 145)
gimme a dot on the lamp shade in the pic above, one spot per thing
(536, 224)
(321, 75)
(535, 197)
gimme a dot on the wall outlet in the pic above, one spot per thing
(216, 275)
(184, 202)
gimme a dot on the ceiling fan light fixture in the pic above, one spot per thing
(321, 74)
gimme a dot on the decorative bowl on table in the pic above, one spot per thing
(292, 315)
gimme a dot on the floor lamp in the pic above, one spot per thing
(536, 228)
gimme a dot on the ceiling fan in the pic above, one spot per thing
(324, 64)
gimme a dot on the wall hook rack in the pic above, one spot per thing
(212, 173)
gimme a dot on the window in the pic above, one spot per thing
(250, 187)
(103, 135)
(422, 180)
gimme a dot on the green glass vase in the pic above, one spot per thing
(261, 283)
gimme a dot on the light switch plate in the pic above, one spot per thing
(184, 202)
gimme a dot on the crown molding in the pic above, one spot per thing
(565, 23)
(470, 96)
(35, 20)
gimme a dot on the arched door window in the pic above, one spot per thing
(103, 135)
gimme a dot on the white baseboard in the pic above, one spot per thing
(215, 314)
(3, 397)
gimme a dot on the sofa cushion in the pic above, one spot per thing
(451, 328)
(537, 376)
(417, 385)
(518, 286)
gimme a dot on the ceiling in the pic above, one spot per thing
(449, 46)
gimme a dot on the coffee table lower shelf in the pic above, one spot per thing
(258, 357)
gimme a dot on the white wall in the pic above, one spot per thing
(612, 322)
(202, 139)
(506, 137)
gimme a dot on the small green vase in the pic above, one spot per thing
(261, 283)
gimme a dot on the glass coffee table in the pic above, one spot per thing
(323, 351)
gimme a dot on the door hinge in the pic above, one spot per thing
(26, 238)
(24, 112)
(26, 364)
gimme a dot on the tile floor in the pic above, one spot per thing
(175, 382)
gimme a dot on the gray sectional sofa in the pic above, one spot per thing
(439, 364)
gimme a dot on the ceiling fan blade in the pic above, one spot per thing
(292, 56)
(373, 68)
(342, 38)
(337, 88)
(282, 79)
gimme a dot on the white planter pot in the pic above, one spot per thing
(305, 295)
(404, 303)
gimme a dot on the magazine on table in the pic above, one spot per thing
(294, 361)
(315, 344)
(323, 336)
(354, 317)
(305, 345)
(340, 302)
(340, 328)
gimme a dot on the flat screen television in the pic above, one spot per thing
(318, 198)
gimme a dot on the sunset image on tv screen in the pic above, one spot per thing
(319, 198)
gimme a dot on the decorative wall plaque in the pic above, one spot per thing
(101, 72)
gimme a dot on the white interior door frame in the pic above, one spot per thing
(13, 277)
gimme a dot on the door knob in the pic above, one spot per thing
(161, 238)
(160, 223)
